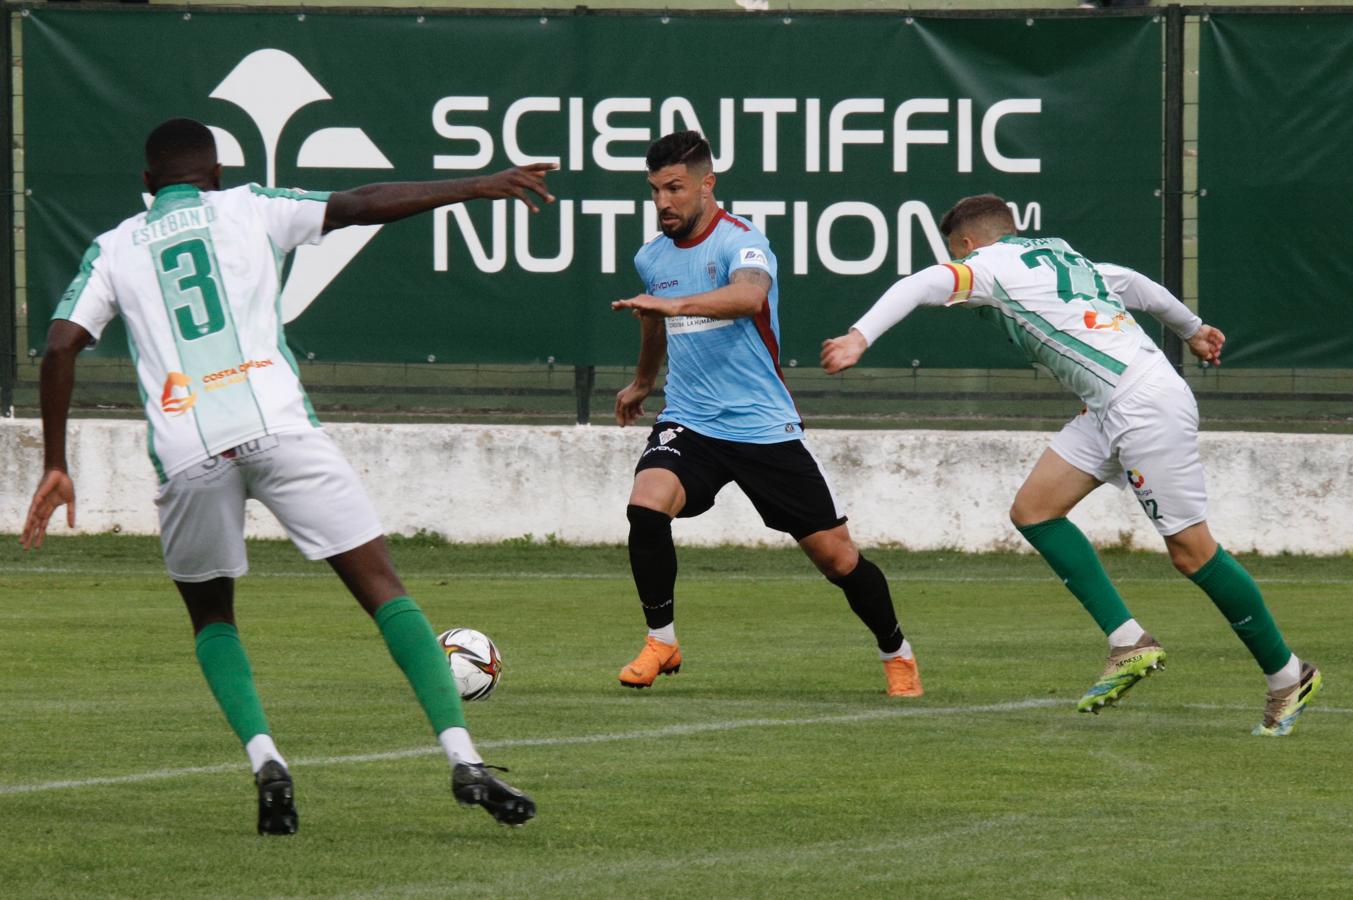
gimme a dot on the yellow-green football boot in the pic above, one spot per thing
(1126, 667)
(1283, 706)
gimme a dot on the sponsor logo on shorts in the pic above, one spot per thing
(214, 381)
(178, 396)
(665, 437)
(241, 455)
(661, 449)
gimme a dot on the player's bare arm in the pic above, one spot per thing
(376, 204)
(629, 401)
(1206, 344)
(840, 353)
(744, 295)
(65, 340)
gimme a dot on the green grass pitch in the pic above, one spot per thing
(772, 765)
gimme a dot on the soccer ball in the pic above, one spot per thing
(474, 662)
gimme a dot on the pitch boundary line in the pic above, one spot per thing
(667, 731)
(621, 576)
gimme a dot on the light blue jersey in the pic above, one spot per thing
(723, 375)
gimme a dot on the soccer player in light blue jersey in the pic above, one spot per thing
(711, 307)
(1139, 430)
(197, 280)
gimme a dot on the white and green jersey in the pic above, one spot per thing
(1065, 313)
(197, 279)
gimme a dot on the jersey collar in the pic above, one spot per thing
(689, 242)
(172, 197)
(170, 189)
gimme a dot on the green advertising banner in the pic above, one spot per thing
(844, 138)
(1275, 125)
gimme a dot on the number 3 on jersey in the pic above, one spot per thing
(192, 291)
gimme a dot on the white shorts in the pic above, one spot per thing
(300, 476)
(1148, 440)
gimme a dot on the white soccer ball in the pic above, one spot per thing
(474, 662)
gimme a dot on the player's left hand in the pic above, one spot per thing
(517, 182)
(840, 353)
(55, 490)
(646, 305)
(1206, 344)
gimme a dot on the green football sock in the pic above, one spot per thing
(1234, 592)
(414, 647)
(226, 666)
(1074, 560)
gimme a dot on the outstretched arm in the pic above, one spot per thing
(744, 295)
(1141, 294)
(376, 204)
(65, 340)
(932, 286)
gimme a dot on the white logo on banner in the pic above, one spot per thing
(272, 86)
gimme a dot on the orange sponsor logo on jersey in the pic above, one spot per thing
(1115, 324)
(233, 375)
(176, 404)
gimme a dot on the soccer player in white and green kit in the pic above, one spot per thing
(197, 279)
(1139, 429)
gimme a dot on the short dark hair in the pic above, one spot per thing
(686, 148)
(984, 211)
(177, 141)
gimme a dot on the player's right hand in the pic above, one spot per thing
(840, 353)
(629, 403)
(55, 490)
(517, 181)
(1206, 344)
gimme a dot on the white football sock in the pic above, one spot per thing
(1127, 634)
(666, 634)
(261, 749)
(1285, 677)
(458, 746)
(903, 652)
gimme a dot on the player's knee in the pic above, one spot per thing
(1021, 514)
(647, 525)
(835, 560)
(1185, 558)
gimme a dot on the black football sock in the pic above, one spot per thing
(867, 593)
(653, 562)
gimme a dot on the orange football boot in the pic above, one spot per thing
(657, 658)
(904, 678)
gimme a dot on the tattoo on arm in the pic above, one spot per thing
(758, 277)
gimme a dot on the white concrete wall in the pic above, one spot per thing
(918, 489)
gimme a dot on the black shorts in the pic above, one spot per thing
(783, 480)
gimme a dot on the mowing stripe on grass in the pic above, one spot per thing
(667, 731)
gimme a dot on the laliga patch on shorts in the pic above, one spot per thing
(751, 256)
